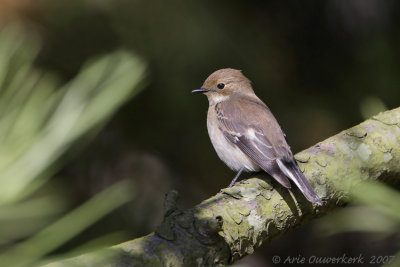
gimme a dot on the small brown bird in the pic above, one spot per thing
(245, 134)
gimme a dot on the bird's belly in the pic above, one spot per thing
(230, 154)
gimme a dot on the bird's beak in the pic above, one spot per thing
(201, 90)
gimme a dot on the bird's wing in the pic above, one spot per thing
(250, 125)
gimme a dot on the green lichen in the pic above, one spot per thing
(255, 221)
(389, 118)
(249, 192)
(303, 157)
(387, 157)
(364, 152)
(254, 212)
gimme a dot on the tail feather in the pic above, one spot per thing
(292, 170)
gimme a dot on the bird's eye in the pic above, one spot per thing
(221, 86)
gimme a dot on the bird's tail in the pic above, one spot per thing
(292, 170)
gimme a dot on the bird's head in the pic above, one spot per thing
(223, 84)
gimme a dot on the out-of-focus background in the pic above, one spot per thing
(321, 67)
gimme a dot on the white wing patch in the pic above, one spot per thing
(251, 135)
(288, 173)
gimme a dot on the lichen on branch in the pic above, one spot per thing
(237, 220)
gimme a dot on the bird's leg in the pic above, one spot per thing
(236, 177)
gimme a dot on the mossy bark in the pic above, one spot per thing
(233, 223)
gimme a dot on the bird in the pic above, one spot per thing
(245, 133)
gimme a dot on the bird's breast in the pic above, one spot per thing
(229, 153)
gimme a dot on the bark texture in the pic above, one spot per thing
(233, 223)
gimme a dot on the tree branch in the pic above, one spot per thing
(231, 224)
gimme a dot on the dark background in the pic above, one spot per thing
(316, 64)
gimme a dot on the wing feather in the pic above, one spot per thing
(261, 140)
(250, 125)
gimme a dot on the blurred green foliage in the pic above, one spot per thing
(313, 64)
(40, 120)
(375, 210)
(371, 106)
